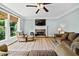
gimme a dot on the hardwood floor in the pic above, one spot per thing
(38, 44)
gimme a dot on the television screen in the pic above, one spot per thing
(41, 22)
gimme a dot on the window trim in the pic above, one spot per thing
(8, 17)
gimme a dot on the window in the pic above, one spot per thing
(4, 22)
(13, 23)
(13, 28)
(2, 29)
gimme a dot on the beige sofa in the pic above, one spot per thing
(63, 50)
(72, 40)
(69, 37)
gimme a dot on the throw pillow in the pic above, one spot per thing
(3, 48)
(71, 36)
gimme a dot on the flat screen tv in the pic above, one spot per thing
(40, 22)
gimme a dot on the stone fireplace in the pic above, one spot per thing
(39, 32)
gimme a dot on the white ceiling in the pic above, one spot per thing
(55, 9)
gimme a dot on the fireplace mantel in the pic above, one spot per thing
(41, 27)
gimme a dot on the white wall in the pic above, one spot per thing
(70, 21)
(29, 26)
(21, 24)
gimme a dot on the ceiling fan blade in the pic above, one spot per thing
(31, 6)
(37, 11)
(45, 9)
(46, 3)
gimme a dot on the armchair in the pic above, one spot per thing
(21, 37)
(30, 37)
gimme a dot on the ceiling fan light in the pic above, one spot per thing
(38, 6)
(41, 5)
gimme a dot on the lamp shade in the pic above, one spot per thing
(59, 29)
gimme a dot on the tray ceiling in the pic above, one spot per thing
(55, 9)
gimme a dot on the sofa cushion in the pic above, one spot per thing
(3, 48)
(68, 42)
(71, 36)
(42, 53)
(76, 39)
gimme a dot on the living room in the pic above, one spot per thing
(33, 25)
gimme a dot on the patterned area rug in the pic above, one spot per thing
(32, 53)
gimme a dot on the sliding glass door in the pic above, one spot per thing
(13, 25)
(13, 28)
(8, 25)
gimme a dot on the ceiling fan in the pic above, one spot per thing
(39, 6)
